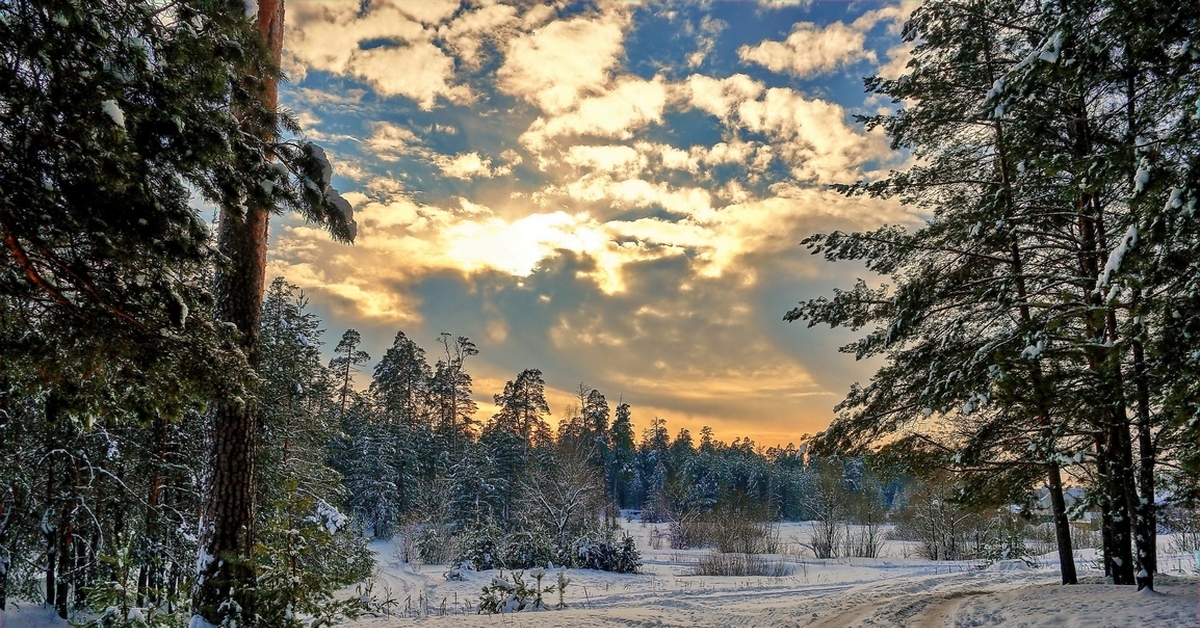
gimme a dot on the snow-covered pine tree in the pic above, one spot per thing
(294, 399)
(523, 409)
(266, 175)
(963, 339)
(1080, 113)
(619, 468)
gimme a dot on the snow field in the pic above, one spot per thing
(897, 589)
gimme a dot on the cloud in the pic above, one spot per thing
(812, 135)
(706, 40)
(558, 63)
(783, 4)
(429, 77)
(428, 11)
(465, 36)
(614, 159)
(720, 97)
(469, 166)
(632, 103)
(335, 37)
(897, 61)
(389, 141)
(810, 50)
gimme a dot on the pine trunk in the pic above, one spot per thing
(226, 574)
(1058, 505)
(1114, 460)
(1062, 525)
(1147, 516)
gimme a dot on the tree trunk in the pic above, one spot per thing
(1058, 506)
(1114, 461)
(1147, 516)
(226, 573)
(1106, 522)
(49, 525)
(1062, 525)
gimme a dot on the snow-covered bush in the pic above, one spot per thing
(436, 545)
(505, 596)
(478, 549)
(118, 605)
(526, 548)
(608, 554)
(306, 552)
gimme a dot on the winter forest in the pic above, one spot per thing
(179, 448)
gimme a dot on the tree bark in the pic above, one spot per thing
(1147, 516)
(226, 574)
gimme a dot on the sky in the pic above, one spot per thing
(613, 193)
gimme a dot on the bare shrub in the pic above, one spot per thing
(406, 543)
(828, 502)
(1185, 530)
(868, 513)
(946, 530)
(826, 538)
(1086, 535)
(740, 564)
(728, 530)
(863, 541)
(737, 532)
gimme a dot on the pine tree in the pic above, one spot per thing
(595, 416)
(226, 578)
(294, 398)
(620, 468)
(1029, 119)
(450, 391)
(400, 385)
(344, 365)
(958, 329)
(523, 409)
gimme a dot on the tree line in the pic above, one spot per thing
(1041, 325)
(100, 511)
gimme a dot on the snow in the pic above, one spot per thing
(200, 622)
(251, 8)
(24, 615)
(329, 516)
(1114, 258)
(1140, 179)
(322, 160)
(897, 589)
(113, 110)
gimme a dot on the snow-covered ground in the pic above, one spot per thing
(888, 591)
(895, 590)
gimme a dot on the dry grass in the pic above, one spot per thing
(739, 564)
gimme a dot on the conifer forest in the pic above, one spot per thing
(185, 442)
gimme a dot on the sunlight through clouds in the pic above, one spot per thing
(582, 191)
